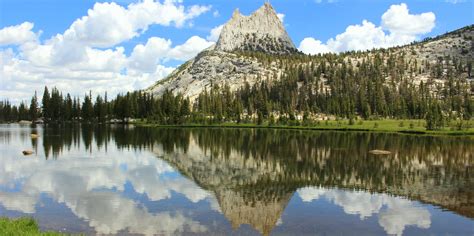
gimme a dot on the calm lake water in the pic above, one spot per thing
(131, 180)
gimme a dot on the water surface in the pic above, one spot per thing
(131, 180)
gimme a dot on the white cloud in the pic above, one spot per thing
(281, 16)
(17, 34)
(215, 33)
(358, 37)
(88, 55)
(398, 20)
(394, 213)
(189, 49)
(76, 69)
(398, 27)
(401, 213)
(216, 13)
(146, 57)
(313, 46)
(19, 202)
(108, 24)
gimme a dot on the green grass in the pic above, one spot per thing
(21, 226)
(388, 125)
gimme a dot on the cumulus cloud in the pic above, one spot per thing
(145, 57)
(108, 24)
(17, 34)
(394, 213)
(281, 16)
(397, 27)
(89, 55)
(398, 20)
(401, 213)
(215, 33)
(313, 46)
(189, 49)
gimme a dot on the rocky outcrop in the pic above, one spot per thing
(213, 67)
(262, 31)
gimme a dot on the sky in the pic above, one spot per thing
(125, 45)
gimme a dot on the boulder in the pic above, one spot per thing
(27, 152)
(380, 152)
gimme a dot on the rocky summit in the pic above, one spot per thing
(221, 64)
(262, 31)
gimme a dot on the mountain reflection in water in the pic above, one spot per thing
(120, 180)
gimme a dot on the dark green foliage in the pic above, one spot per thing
(33, 110)
(46, 104)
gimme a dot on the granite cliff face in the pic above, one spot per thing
(262, 31)
(221, 64)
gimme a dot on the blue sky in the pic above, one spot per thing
(106, 63)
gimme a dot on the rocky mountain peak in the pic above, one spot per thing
(261, 31)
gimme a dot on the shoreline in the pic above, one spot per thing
(376, 126)
(341, 128)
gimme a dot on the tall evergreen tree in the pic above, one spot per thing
(46, 104)
(34, 108)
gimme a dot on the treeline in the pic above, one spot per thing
(54, 107)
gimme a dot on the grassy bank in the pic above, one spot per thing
(393, 126)
(22, 226)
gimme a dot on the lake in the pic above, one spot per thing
(182, 181)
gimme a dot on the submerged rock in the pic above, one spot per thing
(380, 152)
(27, 152)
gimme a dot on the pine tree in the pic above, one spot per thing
(34, 108)
(46, 105)
(87, 108)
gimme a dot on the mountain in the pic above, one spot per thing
(257, 48)
(220, 64)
